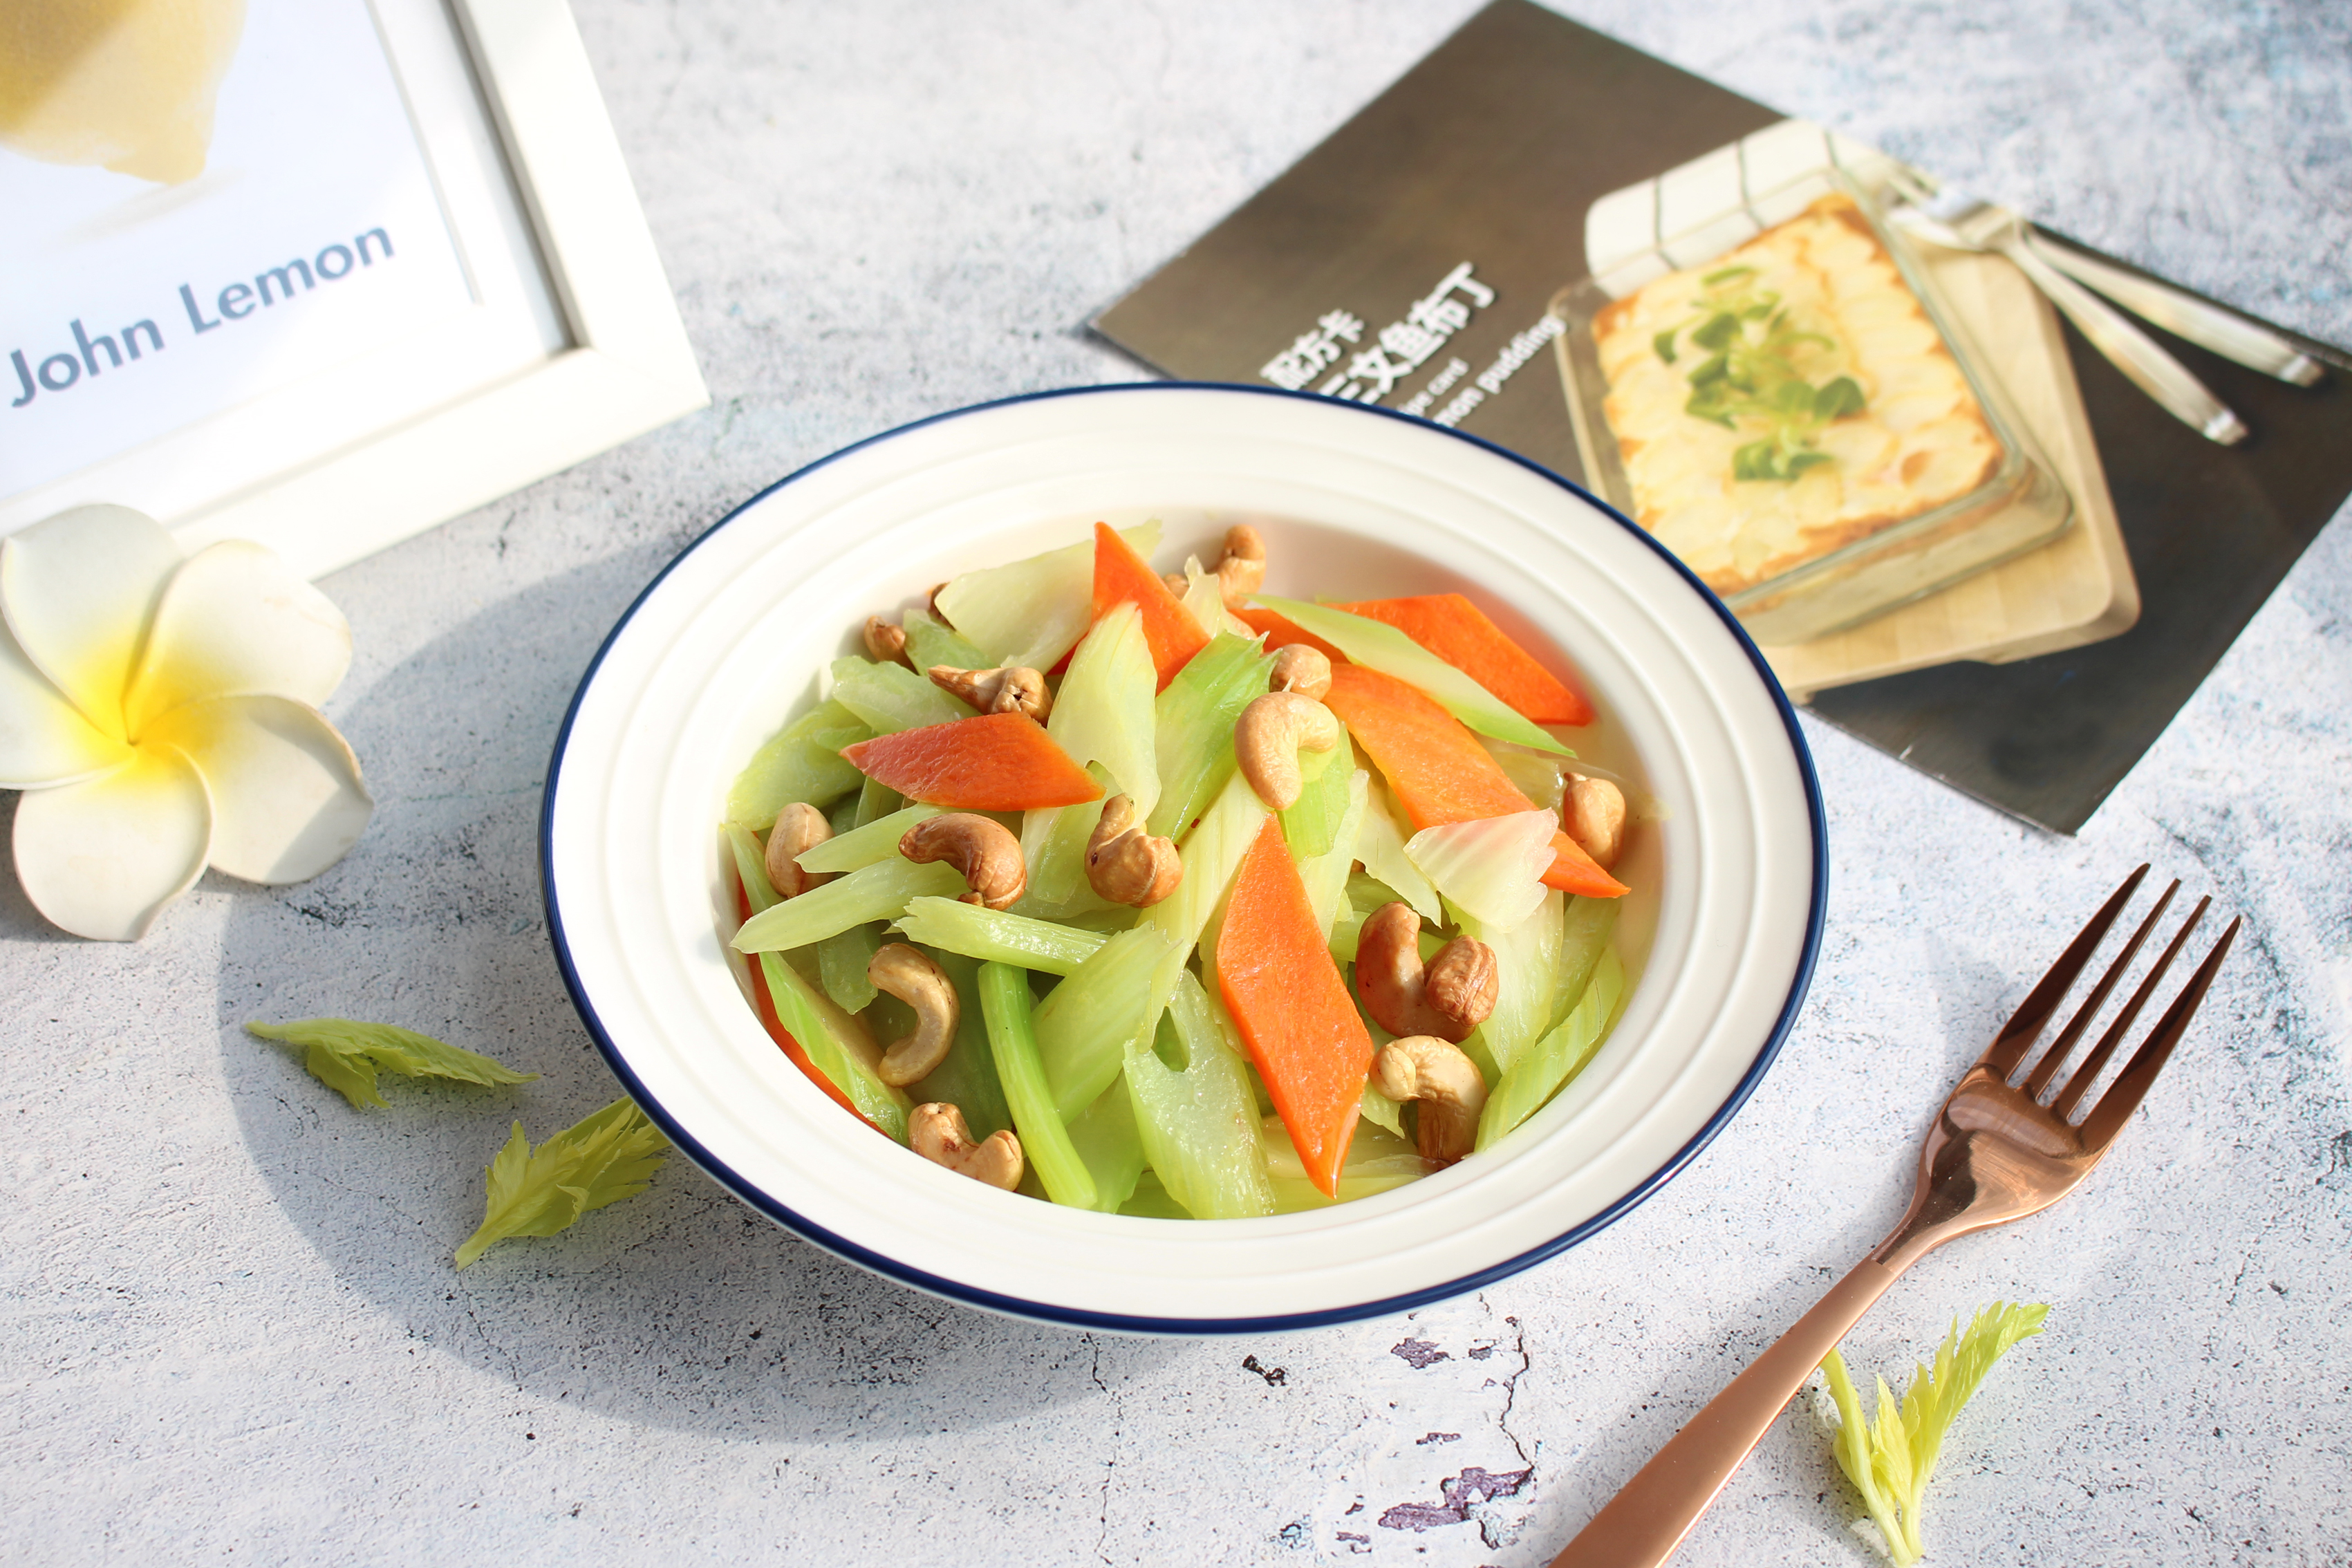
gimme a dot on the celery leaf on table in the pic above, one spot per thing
(609, 1156)
(345, 1055)
(1891, 1461)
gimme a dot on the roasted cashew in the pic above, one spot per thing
(1594, 812)
(1241, 570)
(887, 643)
(1127, 865)
(1268, 737)
(800, 827)
(1178, 583)
(1448, 1085)
(1448, 999)
(938, 1134)
(988, 855)
(914, 977)
(1017, 689)
(1303, 669)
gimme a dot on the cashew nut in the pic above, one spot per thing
(800, 827)
(1125, 864)
(988, 855)
(1014, 689)
(932, 599)
(1178, 583)
(1448, 1085)
(914, 977)
(1268, 737)
(1594, 812)
(1303, 669)
(1241, 570)
(886, 642)
(938, 1134)
(1448, 999)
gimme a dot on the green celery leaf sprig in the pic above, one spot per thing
(346, 1055)
(1891, 1461)
(608, 1156)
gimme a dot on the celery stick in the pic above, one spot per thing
(1381, 1110)
(930, 640)
(841, 960)
(1107, 1141)
(890, 696)
(843, 818)
(1527, 976)
(1053, 849)
(803, 762)
(967, 1078)
(1534, 776)
(1326, 875)
(1152, 1201)
(1559, 1057)
(1104, 711)
(1034, 611)
(1380, 846)
(1585, 930)
(879, 892)
(1115, 996)
(1194, 728)
(1312, 822)
(1347, 924)
(1382, 647)
(1212, 854)
(868, 846)
(876, 800)
(1204, 595)
(1198, 1123)
(836, 1043)
(1300, 1195)
(1377, 1161)
(998, 935)
(1013, 1042)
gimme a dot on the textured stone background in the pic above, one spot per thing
(230, 1328)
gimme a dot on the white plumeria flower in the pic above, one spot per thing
(162, 714)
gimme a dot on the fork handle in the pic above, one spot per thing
(2185, 315)
(1649, 1517)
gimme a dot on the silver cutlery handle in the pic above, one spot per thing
(2134, 352)
(2184, 315)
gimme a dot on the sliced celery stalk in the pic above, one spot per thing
(1112, 998)
(1211, 853)
(868, 846)
(879, 892)
(1012, 1041)
(1153, 1201)
(1300, 1195)
(1104, 711)
(1204, 595)
(998, 935)
(1347, 925)
(1377, 1159)
(836, 1043)
(1194, 728)
(1198, 1123)
(876, 800)
(1034, 611)
(1586, 927)
(890, 696)
(803, 762)
(1326, 875)
(1106, 1138)
(1312, 822)
(1054, 847)
(1381, 1110)
(1527, 974)
(1536, 777)
(843, 818)
(967, 1078)
(1549, 1064)
(1380, 846)
(1382, 647)
(930, 640)
(1492, 866)
(841, 961)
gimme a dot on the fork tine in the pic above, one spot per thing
(2063, 1046)
(2122, 1096)
(2088, 1073)
(2025, 1025)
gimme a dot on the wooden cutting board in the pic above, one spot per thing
(2076, 589)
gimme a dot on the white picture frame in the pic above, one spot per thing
(346, 461)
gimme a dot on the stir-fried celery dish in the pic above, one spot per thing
(1164, 896)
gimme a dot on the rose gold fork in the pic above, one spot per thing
(1995, 1153)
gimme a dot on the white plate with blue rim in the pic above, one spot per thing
(1728, 858)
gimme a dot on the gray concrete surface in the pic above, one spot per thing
(230, 1328)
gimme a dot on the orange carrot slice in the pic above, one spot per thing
(998, 761)
(1281, 631)
(1439, 771)
(1292, 1008)
(1458, 632)
(1121, 576)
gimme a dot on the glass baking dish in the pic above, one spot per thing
(1808, 507)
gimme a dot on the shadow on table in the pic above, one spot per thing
(681, 1307)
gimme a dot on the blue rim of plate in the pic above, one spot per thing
(1193, 1328)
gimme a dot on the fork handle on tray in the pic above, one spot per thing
(2185, 315)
